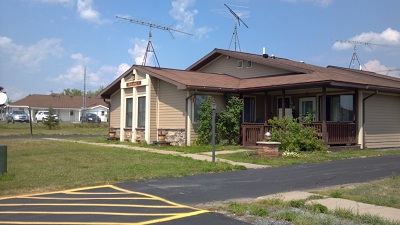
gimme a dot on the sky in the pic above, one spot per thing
(47, 45)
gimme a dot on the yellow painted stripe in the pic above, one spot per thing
(107, 205)
(73, 199)
(94, 213)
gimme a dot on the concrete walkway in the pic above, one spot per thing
(359, 208)
(206, 156)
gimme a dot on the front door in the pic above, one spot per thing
(249, 111)
(307, 105)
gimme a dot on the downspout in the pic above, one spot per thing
(186, 116)
(363, 113)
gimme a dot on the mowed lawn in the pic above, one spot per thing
(40, 165)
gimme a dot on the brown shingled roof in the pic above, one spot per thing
(303, 75)
(58, 101)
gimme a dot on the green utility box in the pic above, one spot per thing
(3, 159)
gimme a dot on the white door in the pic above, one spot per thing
(307, 105)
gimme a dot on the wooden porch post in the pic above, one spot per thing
(323, 114)
(266, 107)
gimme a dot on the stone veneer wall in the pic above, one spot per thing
(140, 135)
(174, 136)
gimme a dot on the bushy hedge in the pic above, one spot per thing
(295, 136)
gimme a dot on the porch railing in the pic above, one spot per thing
(338, 133)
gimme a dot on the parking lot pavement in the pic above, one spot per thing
(106, 204)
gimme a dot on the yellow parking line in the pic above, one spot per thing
(87, 191)
(87, 204)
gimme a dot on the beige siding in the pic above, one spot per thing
(128, 92)
(129, 78)
(229, 66)
(153, 110)
(141, 76)
(172, 107)
(141, 90)
(382, 121)
(115, 110)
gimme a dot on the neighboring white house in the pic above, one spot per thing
(68, 108)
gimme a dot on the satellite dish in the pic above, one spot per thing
(3, 98)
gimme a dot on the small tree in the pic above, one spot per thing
(228, 125)
(204, 122)
(295, 136)
(51, 120)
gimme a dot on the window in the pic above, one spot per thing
(102, 113)
(249, 64)
(129, 110)
(249, 112)
(239, 64)
(197, 103)
(338, 108)
(141, 111)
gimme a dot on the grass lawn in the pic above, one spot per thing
(39, 165)
(305, 157)
(380, 192)
(64, 128)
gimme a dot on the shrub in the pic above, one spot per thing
(51, 122)
(295, 136)
(204, 122)
(228, 123)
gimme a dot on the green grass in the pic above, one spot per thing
(305, 157)
(64, 128)
(384, 192)
(39, 165)
(298, 211)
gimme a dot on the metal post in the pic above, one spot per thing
(214, 107)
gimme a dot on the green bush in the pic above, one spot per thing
(204, 122)
(51, 121)
(295, 136)
(228, 123)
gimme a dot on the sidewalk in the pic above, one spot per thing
(201, 156)
(339, 203)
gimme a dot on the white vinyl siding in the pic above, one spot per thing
(153, 109)
(172, 107)
(229, 66)
(382, 121)
(115, 110)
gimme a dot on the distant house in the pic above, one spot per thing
(350, 107)
(68, 108)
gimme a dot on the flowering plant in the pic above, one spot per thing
(288, 154)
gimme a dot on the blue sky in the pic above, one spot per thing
(46, 44)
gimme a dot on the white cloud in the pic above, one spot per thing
(122, 68)
(14, 93)
(86, 11)
(139, 50)
(376, 66)
(182, 15)
(388, 37)
(29, 57)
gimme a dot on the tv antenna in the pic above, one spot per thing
(151, 25)
(389, 70)
(355, 58)
(237, 22)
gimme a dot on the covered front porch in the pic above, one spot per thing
(335, 113)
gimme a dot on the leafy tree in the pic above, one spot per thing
(95, 93)
(295, 136)
(72, 92)
(228, 125)
(51, 120)
(204, 122)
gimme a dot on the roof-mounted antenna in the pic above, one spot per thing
(150, 47)
(355, 57)
(237, 22)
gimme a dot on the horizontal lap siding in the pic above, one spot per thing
(172, 107)
(229, 66)
(115, 110)
(153, 110)
(382, 121)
